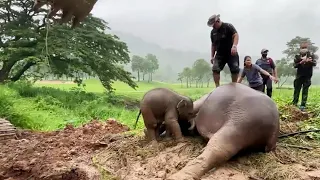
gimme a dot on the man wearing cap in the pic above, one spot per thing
(304, 62)
(267, 64)
(224, 41)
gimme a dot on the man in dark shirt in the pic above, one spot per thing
(304, 62)
(224, 41)
(267, 64)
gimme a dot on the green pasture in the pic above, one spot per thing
(51, 106)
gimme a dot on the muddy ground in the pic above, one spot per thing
(105, 150)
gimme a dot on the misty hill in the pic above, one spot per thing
(175, 58)
(167, 57)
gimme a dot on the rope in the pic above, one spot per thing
(46, 42)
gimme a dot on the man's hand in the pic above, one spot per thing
(234, 50)
(309, 59)
(273, 78)
(276, 80)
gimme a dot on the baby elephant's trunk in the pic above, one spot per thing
(218, 150)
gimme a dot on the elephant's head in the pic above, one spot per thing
(185, 110)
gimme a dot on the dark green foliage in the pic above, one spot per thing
(29, 48)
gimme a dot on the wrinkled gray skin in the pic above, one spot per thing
(161, 105)
(187, 128)
(234, 118)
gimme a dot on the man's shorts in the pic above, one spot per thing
(221, 61)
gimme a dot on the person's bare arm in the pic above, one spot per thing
(239, 79)
(274, 69)
(241, 76)
(235, 35)
(213, 44)
(264, 72)
(213, 50)
(235, 39)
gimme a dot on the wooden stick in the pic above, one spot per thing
(296, 146)
(11, 134)
(299, 132)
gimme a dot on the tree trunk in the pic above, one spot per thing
(284, 81)
(22, 71)
(151, 76)
(5, 71)
(138, 75)
(208, 83)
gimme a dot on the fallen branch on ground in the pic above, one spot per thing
(299, 132)
(296, 146)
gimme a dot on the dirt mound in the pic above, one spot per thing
(97, 151)
(131, 158)
(64, 154)
(293, 114)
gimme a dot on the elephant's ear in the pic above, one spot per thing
(181, 104)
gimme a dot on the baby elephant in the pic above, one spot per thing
(76, 9)
(161, 105)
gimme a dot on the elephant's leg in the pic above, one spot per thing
(221, 147)
(171, 122)
(145, 133)
(53, 12)
(66, 16)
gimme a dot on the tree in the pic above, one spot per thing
(208, 76)
(285, 70)
(26, 45)
(187, 74)
(137, 64)
(200, 68)
(180, 78)
(226, 71)
(285, 65)
(293, 47)
(151, 65)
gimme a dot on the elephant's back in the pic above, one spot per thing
(229, 104)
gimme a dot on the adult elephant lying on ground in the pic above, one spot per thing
(233, 118)
(161, 105)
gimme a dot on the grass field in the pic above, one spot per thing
(49, 106)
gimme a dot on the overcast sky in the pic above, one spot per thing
(181, 24)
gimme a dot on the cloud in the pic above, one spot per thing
(181, 24)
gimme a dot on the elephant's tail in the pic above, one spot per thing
(135, 125)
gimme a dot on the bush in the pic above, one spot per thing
(45, 108)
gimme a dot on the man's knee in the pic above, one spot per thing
(216, 68)
(234, 70)
(234, 65)
(307, 83)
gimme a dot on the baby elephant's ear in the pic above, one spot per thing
(182, 103)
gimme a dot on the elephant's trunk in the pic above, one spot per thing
(218, 150)
(198, 103)
(193, 124)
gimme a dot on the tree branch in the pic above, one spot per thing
(22, 71)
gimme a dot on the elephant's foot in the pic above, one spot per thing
(153, 144)
(181, 140)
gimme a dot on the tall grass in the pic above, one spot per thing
(51, 106)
